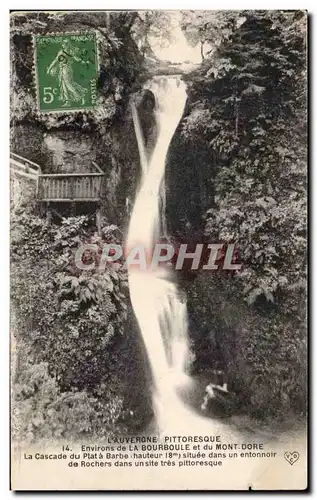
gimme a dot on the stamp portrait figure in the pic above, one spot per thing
(69, 90)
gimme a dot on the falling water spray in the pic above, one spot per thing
(156, 301)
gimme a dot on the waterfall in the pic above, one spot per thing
(158, 305)
(156, 301)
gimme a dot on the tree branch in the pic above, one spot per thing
(98, 28)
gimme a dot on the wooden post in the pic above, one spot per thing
(97, 167)
(48, 214)
(98, 221)
(73, 208)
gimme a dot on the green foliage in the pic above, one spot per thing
(264, 355)
(70, 321)
(42, 411)
(209, 27)
(151, 28)
(255, 129)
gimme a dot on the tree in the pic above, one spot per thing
(152, 28)
(209, 28)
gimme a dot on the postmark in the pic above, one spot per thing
(66, 70)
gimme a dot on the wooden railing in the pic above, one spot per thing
(59, 187)
(24, 167)
(70, 187)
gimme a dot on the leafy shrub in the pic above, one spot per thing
(42, 411)
(71, 320)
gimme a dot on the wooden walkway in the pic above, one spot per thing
(78, 187)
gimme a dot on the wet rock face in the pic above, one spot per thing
(148, 120)
(113, 149)
(147, 103)
(27, 140)
(189, 191)
(56, 151)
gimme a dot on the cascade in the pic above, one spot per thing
(158, 305)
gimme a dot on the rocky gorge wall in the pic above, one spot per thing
(72, 142)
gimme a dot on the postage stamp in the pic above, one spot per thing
(66, 67)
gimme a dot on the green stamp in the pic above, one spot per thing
(66, 67)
